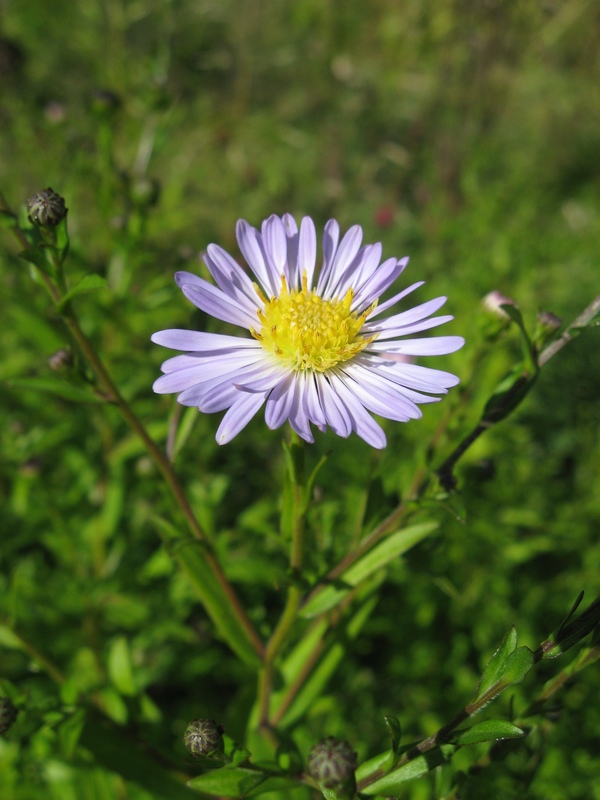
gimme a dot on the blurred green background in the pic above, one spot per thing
(465, 134)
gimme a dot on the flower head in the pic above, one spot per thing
(203, 737)
(331, 762)
(317, 351)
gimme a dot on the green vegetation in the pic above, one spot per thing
(464, 134)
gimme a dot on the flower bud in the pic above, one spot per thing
(8, 714)
(61, 360)
(203, 737)
(332, 762)
(547, 326)
(46, 209)
(494, 301)
(494, 320)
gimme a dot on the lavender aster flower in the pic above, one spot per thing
(318, 350)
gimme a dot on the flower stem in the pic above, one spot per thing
(112, 395)
(297, 477)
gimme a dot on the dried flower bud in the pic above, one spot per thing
(61, 360)
(549, 321)
(332, 762)
(46, 209)
(8, 714)
(203, 737)
(545, 330)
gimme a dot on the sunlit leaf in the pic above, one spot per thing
(497, 663)
(487, 731)
(380, 556)
(391, 784)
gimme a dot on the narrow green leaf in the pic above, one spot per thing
(509, 393)
(61, 235)
(573, 629)
(393, 726)
(274, 783)
(526, 344)
(378, 762)
(517, 666)
(190, 557)
(116, 751)
(7, 219)
(497, 663)
(37, 257)
(386, 551)
(488, 731)
(120, 668)
(313, 686)
(57, 387)
(88, 283)
(184, 429)
(391, 784)
(69, 732)
(229, 781)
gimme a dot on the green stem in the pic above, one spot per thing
(112, 395)
(164, 466)
(294, 595)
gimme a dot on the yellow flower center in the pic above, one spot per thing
(308, 332)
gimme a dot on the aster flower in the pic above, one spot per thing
(317, 351)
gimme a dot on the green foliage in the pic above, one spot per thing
(463, 134)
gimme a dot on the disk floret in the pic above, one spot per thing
(309, 332)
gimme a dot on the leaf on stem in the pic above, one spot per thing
(229, 781)
(88, 283)
(572, 629)
(391, 784)
(496, 665)
(38, 257)
(190, 556)
(57, 387)
(488, 731)
(380, 556)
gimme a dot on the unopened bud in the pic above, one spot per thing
(61, 360)
(547, 326)
(494, 320)
(203, 737)
(494, 301)
(8, 714)
(46, 209)
(332, 762)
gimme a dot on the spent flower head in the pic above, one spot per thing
(203, 737)
(332, 762)
(317, 350)
(46, 208)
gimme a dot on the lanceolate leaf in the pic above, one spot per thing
(229, 781)
(386, 551)
(57, 387)
(113, 749)
(497, 663)
(391, 784)
(488, 731)
(189, 555)
(325, 667)
(87, 284)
